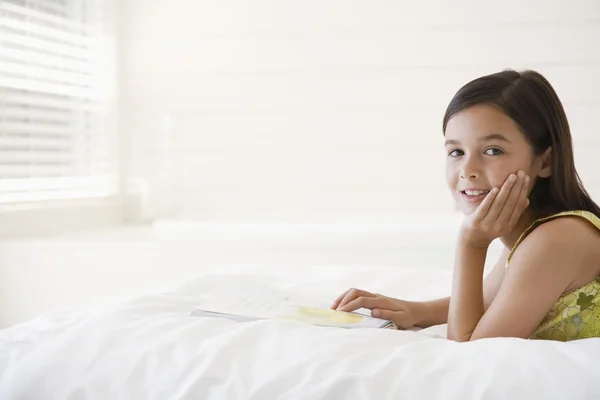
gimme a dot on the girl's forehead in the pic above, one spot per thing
(481, 121)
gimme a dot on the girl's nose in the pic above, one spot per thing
(470, 170)
(469, 174)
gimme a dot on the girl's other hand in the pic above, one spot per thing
(498, 213)
(401, 312)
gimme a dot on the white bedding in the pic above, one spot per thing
(150, 348)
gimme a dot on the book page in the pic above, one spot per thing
(273, 305)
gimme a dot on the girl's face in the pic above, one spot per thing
(484, 146)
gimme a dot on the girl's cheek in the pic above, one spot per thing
(451, 174)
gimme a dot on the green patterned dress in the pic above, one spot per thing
(575, 315)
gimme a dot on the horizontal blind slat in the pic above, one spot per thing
(70, 52)
(35, 142)
(31, 172)
(46, 32)
(45, 129)
(43, 170)
(20, 97)
(44, 17)
(10, 57)
(24, 112)
(35, 73)
(45, 195)
(62, 183)
(65, 156)
(47, 87)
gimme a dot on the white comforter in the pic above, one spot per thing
(150, 348)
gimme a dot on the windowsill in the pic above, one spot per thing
(42, 218)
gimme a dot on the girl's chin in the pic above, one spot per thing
(468, 208)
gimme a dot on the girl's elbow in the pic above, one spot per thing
(460, 336)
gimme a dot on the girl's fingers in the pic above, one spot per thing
(363, 302)
(349, 296)
(384, 314)
(498, 203)
(339, 299)
(397, 317)
(512, 201)
(485, 205)
(522, 203)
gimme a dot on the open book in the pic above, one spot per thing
(256, 307)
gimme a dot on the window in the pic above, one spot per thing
(57, 126)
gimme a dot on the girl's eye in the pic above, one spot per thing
(492, 151)
(456, 153)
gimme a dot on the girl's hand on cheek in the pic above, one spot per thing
(498, 213)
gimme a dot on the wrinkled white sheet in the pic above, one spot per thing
(150, 348)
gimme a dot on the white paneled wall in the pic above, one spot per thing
(329, 110)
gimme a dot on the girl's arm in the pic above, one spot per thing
(435, 312)
(543, 267)
(467, 305)
(496, 216)
(411, 313)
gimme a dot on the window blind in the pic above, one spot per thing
(57, 130)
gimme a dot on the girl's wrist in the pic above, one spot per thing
(425, 314)
(469, 252)
(421, 314)
(468, 242)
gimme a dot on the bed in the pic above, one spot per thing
(149, 347)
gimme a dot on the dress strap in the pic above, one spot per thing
(591, 217)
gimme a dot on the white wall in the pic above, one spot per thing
(322, 110)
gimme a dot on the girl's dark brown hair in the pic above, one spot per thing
(529, 100)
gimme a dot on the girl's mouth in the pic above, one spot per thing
(474, 196)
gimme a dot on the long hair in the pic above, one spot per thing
(529, 100)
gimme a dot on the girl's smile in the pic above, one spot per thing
(474, 196)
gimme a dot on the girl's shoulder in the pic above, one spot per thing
(579, 228)
(574, 235)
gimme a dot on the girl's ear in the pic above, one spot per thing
(546, 168)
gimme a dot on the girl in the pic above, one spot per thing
(510, 168)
